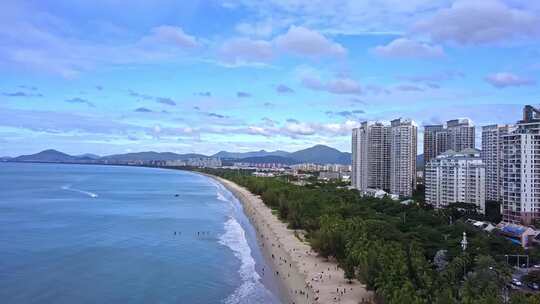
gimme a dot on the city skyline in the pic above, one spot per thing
(206, 76)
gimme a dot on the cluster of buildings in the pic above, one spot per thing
(384, 157)
(506, 170)
(512, 157)
(311, 167)
(200, 162)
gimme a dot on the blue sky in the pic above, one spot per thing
(203, 76)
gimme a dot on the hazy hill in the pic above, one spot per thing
(269, 159)
(151, 155)
(319, 154)
(238, 155)
(322, 155)
(46, 156)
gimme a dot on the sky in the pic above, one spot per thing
(111, 76)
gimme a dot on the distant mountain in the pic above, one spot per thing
(321, 154)
(49, 156)
(238, 155)
(5, 158)
(147, 156)
(269, 159)
(88, 156)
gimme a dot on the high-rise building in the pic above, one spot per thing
(460, 134)
(359, 166)
(492, 157)
(454, 177)
(434, 141)
(521, 170)
(403, 147)
(456, 135)
(370, 155)
(384, 157)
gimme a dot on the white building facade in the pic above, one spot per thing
(492, 157)
(454, 177)
(456, 135)
(384, 157)
(521, 170)
(403, 147)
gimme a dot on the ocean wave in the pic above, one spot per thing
(235, 238)
(69, 188)
(251, 290)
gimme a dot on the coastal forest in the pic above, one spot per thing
(405, 253)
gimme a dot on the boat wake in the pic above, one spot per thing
(90, 194)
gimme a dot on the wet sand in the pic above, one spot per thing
(307, 277)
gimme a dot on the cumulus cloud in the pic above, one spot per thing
(479, 22)
(143, 110)
(204, 94)
(303, 41)
(283, 89)
(407, 48)
(377, 90)
(172, 35)
(165, 101)
(347, 114)
(408, 88)
(21, 94)
(26, 87)
(139, 95)
(334, 86)
(215, 115)
(81, 101)
(434, 77)
(244, 50)
(242, 95)
(505, 79)
(258, 29)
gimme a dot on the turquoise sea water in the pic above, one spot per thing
(104, 234)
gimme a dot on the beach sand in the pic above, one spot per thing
(306, 277)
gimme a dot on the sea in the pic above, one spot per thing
(117, 234)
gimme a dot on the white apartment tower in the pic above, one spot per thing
(454, 177)
(403, 145)
(521, 170)
(384, 157)
(456, 135)
(460, 134)
(370, 156)
(434, 141)
(492, 157)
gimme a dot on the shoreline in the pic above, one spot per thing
(306, 277)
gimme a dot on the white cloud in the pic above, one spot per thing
(505, 79)
(407, 48)
(263, 28)
(335, 86)
(171, 35)
(343, 86)
(344, 16)
(303, 41)
(244, 50)
(480, 22)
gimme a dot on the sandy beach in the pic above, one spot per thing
(307, 277)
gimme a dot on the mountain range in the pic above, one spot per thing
(319, 154)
